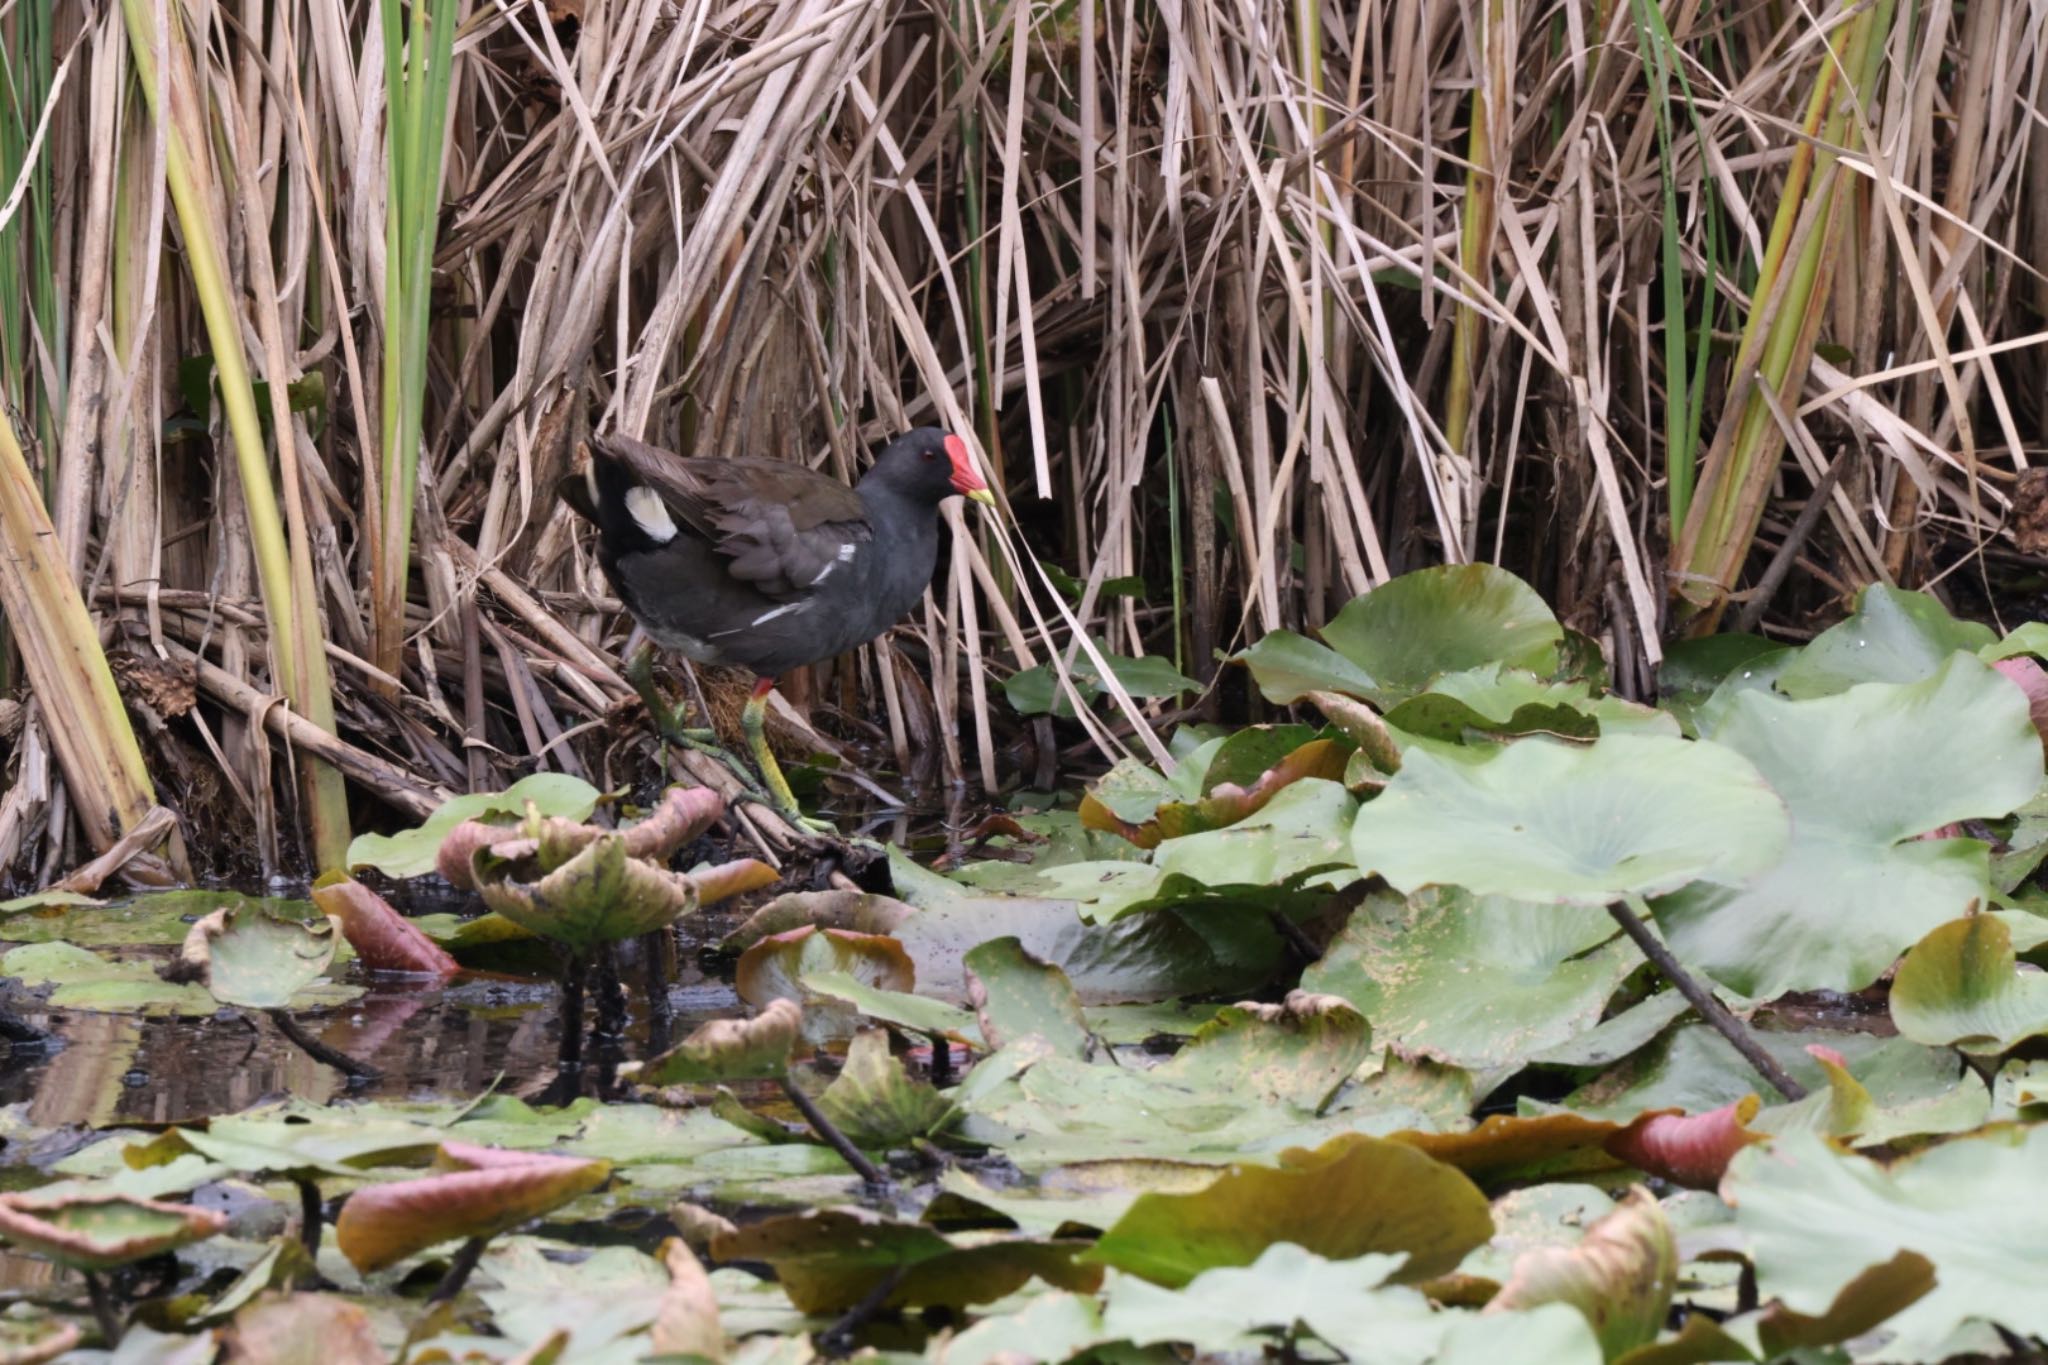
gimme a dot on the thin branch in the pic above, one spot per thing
(348, 1066)
(1702, 1000)
(829, 1131)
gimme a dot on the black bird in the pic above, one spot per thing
(765, 564)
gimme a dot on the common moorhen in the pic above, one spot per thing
(765, 564)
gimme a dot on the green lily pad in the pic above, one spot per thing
(86, 981)
(1297, 1052)
(600, 895)
(1237, 777)
(1893, 637)
(1394, 641)
(255, 961)
(1864, 773)
(1539, 820)
(1498, 702)
(830, 1259)
(915, 1013)
(411, 853)
(876, 1104)
(1478, 981)
(775, 969)
(1815, 1219)
(1961, 986)
(151, 918)
(1351, 1196)
(1015, 994)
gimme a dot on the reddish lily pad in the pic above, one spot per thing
(725, 1050)
(484, 1192)
(384, 940)
(1688, 1149)
(102, 1231)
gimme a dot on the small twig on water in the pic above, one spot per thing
(1702, 1000)
(103, 1310)
(829, 1131)
(459, 1271)
(310, 1217)
(837, 1340)
(348, 1066)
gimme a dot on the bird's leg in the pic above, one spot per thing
(754, 719)
(668, 716)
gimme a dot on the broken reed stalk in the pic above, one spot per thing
(357, 1072)
(1701, 999)
(826, 1129)
(60, 649)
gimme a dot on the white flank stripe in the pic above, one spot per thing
(650, 514)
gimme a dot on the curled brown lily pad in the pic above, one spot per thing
(725, 1050)
(599, 895)
(102, 1231)
(482, 1191)
(774, 969)
(1688, 1149)
(1221, 805)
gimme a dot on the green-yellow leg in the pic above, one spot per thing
(668, 717)
(754, 719)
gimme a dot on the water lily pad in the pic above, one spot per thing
(1297, 1052)
(154, 918)
(1973, 1206)
(485, 1191)
(916, 1013)
(1893, 637)
(1478, 981)
(775, 968)
(1353, 1195)
(830, 1259)
(1302, 831)
(289, 1329)
(1494, 701)
(600, 895)
(1864, 772)
(721, 1051)
(1961, 986)
(1620, 1277)
(384, 940)
(1397, 639)
(297, 1139)
(1507, 1148)
(1576, 825)
(253, 960)
(1688, 1149)
(102, 1231)
(1243, 773)
(86, 981)
(876, 1104)
(411, 853)
(1015, 994)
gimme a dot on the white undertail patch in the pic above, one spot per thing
(650, 514)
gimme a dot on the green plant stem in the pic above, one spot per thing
(1702, 1000)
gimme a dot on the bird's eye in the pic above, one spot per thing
(931, 455)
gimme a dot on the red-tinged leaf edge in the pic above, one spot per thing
(384, 940)
(481, 1192)
(38, 1225)
(1687, 1149)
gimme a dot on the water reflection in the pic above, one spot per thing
(455, 1041)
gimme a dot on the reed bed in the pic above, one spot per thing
(1693, 314)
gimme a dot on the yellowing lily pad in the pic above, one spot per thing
(486, 1191)
(102, 1231)
(721, 1051)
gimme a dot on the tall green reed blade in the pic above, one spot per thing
(284, 565)
(60, 646)
(28, 270)
(1684, 378)
(418, 57)
(1790, 303)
